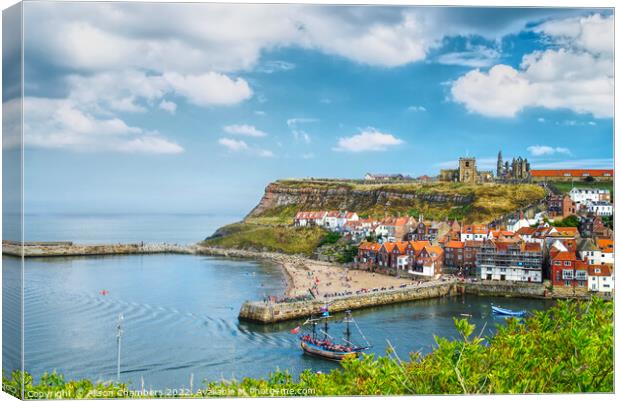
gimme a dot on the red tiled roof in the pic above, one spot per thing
(606, 245)
(567, 231)
(604, 270)
(564, 256)
(526, 230)
(572, 173)
(455, 244)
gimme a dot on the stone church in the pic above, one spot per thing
(466, 173)
(517, 170)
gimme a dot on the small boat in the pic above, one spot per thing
(319, 343)
(507, 312)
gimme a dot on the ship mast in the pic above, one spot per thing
(347, 333)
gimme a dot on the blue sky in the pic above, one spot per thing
(195, 108)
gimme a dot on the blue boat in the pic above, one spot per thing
(507, 312)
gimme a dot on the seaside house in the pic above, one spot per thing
(569, 274)
(470, 251)
(428, 263)
(599, 208)
(305, 219)
(600, 278)
(588, 251)
(453, 254)
(474, 232)
(582, 195)
(510, 260)
(593, 226)
(607, 250)
(560, 206)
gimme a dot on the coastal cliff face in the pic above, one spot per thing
(347, 197)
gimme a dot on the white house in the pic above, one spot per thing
(587, 250)
(304, 219)
(607, 250)
(402, 262)
(600, 278)
(474, 233)
(581, 195)
(599, 208)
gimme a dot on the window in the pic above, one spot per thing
(567, 263)
(567, 274)
(567, 283)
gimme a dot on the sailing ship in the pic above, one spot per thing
(318, 342)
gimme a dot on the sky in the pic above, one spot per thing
(195, 108)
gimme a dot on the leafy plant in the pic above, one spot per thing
(568, 348)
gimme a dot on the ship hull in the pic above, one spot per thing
(326, 354)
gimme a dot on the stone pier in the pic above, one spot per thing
(264, 312)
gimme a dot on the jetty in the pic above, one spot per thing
(68, 248)
(271, 312)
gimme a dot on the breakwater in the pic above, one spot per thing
(51, 249)
(268, 312)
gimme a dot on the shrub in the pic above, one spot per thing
(566, 349)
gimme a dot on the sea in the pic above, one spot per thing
(175, 316)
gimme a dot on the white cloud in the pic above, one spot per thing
(61, 124)
(239, 146)
(416, 108)
(577, 76)
(474, 56)
(260, 113)
(168, 106)
(210, 88)
(244, 130)
(369, 140)
(233, 144)
(265, 153)
(593, 33)
(308, 156)
(269, 67)
(541, 150)
(541, 120)
(298, 133)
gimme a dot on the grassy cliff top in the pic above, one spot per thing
(488, 201)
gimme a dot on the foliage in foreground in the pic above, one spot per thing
(568, 348)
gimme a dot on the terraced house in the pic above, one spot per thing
(510, 260)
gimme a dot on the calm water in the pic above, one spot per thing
(180, 318)
(114, 228)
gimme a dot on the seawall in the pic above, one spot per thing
(265, 312)
(57, 249)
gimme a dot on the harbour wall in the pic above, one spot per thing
(57, 249)
(266, 312)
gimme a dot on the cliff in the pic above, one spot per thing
(472, 203)
(268, 227)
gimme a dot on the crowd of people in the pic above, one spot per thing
(326, 344)
(285, 299)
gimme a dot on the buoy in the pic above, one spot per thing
(104, 292)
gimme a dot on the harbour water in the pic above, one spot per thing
(180, 319)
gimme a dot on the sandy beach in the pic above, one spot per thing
(322, 278)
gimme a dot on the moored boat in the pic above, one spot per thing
(507, 312)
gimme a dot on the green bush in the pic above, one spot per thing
(566, 349)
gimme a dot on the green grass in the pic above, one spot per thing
(566, 349)
(286, 239)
